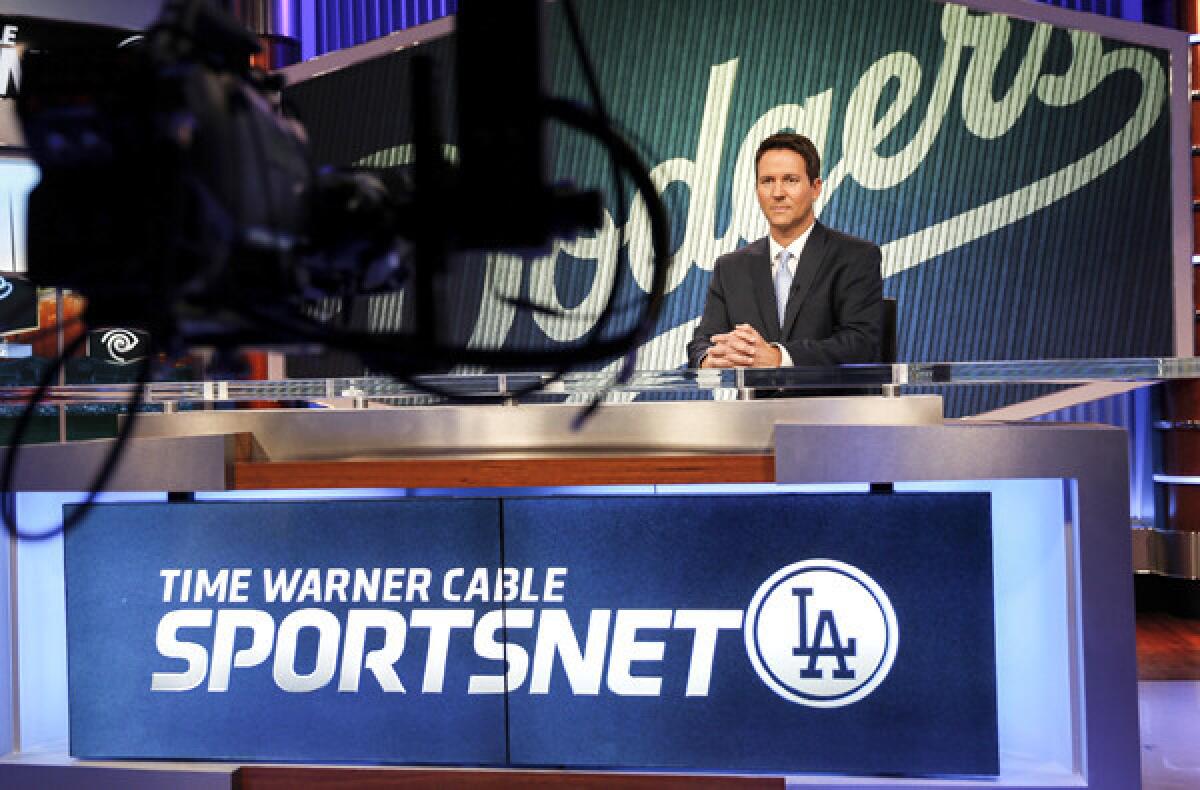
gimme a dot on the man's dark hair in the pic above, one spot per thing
(790, 141)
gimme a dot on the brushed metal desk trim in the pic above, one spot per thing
(701, 427)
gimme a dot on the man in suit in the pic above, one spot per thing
(804, 295)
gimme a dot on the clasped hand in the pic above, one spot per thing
(744, 347)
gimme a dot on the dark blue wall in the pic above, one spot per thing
(338, 24)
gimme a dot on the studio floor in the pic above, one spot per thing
(1169, 701)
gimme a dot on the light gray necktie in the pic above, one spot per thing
(783, 284)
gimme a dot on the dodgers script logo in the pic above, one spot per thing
(857, 118)
(821, 633)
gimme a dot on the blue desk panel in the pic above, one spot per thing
(788, 632)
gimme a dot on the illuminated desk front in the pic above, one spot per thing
(1060, 545)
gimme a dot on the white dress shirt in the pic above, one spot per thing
(794, 250)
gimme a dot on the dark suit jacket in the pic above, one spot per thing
(835, 307)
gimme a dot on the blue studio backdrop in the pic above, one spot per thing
(1016, 174)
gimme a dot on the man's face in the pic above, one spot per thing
(785, 194)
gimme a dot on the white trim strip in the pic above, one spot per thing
(1186, 480)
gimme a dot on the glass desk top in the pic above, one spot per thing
(112, 383)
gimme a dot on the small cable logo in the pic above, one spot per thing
(118, 343)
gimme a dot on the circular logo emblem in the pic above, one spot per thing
(118, 343)
(821, 633)
(6, 288)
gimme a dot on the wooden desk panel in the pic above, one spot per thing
(504, 472)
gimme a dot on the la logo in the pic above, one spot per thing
(825, 640)
(821, 633)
